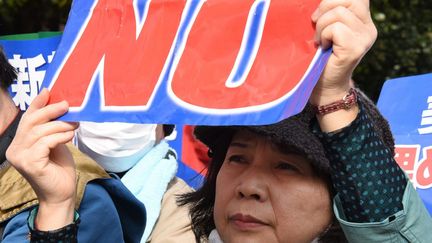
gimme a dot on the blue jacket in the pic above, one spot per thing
(108, 213)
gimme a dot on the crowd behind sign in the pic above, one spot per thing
(410, 115)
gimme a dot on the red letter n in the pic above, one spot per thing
(133, 58)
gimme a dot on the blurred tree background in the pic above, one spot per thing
(28, 16)
(404, 45)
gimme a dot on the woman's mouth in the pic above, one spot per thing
(246, 222)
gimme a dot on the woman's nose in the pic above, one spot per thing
(252, 185)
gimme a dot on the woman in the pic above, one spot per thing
(276, 184)
(325, 175)
(256, 172)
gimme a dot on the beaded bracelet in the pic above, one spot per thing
(348, 101)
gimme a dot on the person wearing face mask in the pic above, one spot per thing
(325, 175)
(143, 160)
(49, 191)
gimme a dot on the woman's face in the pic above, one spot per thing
(266, 195)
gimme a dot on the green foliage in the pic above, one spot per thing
(27, 16)
(404, 45)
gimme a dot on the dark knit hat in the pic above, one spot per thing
(292, 135)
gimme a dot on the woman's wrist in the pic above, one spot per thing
(51, 216)
(336, 109)
(67, 233)
(326, 95)
(337, 120)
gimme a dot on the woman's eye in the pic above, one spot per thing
(286, 166)
(236, 159)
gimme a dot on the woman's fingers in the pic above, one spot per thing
(347, 26)
(18, 151)
(39, 131)
(39, 101)
(38, 128)
(339, 16)
(52, 140)
(39, 112)
(45, 114)
(359, 7)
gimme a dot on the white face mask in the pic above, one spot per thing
(116, 146)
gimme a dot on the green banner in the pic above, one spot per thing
(31, 36)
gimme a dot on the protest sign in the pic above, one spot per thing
(186, 62)
(407, 104)
(30, 54)
(25, 53)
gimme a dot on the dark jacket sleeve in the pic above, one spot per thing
(364, 173)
